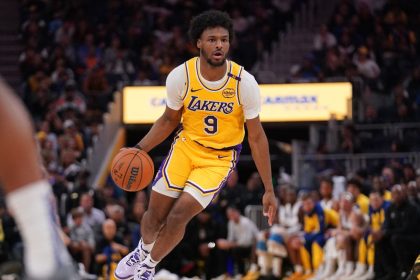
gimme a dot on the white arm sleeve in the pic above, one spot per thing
(175, 85)
(249, 94)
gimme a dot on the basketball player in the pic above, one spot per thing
(28, 195)
(214, 97)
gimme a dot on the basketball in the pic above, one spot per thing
(132, 169)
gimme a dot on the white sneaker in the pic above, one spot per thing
(369, 275)
(145, 273)
(128, 266)
(358, 272)
(338, 273)
(327, 271)
(348, 271)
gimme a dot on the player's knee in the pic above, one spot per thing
(177, 219)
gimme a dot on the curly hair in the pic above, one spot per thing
(210, 19)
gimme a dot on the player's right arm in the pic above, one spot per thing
(161, 129)
(166, 124)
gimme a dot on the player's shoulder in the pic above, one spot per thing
(245, 75)
(177, 75)
(247, 79)
(178, 70)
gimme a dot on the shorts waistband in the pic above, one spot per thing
(222, 149)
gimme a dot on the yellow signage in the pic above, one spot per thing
(280, 102)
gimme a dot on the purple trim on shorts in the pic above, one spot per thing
(200, 189)
(161, 173)
(237, 151)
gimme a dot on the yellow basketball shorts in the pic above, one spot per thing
(193, 168)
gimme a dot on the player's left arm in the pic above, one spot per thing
(250, 98)
(260, 153)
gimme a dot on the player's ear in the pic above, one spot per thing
(199, 43)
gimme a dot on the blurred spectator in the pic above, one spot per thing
(71, 99)
(346, 47)
(355, 188)
(208, 232)
(324, 40)
(91, 216)
(253, 192)
(378, 185)
(117, 214)
(231, 193)
(377, 209)
(326, 188)
(308, 71)
(119, 67)
(271, 245)
(109, 250)
(242, 235)
(350, 141)
(409, 174)
(71, 139)
(96, 88)
(82, 244)
(305, 248)
(333, 66)
(398, 231)
(413, 194)
(365, 65)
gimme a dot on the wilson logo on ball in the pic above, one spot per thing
(133, 175)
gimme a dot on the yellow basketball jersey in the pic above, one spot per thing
(377, 217)
(213, 117)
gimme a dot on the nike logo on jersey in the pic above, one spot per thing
(210, 106)
(194, 90)
(221, 157)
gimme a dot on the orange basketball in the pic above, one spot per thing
(132, 169)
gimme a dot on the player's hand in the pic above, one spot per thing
(269, 206)
(135, 147)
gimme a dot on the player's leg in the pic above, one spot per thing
(152, 222)
(185, 208)
(200, 188)
(19, 165)
(28, 196)
(155, 216)
(172, 232)
(167, 187)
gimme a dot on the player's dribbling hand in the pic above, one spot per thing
(135, 147)
(269, 206)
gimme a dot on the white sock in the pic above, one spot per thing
(146, 247)
(298, 268)
(32, 208)
(150, 262)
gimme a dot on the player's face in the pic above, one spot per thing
(214, 45)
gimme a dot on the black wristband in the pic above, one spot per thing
(137, 146)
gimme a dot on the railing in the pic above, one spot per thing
(255, 214)
(372, 137)
(97, 154)
(307, 167)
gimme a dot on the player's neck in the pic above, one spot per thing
(210, 72)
